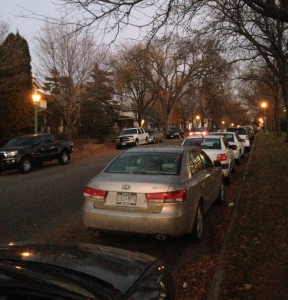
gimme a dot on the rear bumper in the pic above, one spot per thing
(173, 220)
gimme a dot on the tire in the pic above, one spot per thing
(238, 160)
(154, 140)
(197, 232)
(137, 143)
(25, 165)
(234, 168)
(146, 141)
(162, 140)
(118, 147)
(220, 200)
(229, 178)
(63, 158)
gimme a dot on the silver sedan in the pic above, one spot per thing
(160, 191)
(155, 136)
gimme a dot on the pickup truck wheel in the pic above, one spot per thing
(197, 233)
(25, 165)
(118, 147)
(137, 143)
(154, 140)
(63, 158)
(146, 141)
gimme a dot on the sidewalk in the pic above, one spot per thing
(253, 262)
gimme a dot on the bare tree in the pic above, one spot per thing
(273, 9)
(67, 60)
(258, 36)
(131, 66)
(4, 28)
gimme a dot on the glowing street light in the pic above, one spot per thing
(198, 120)
(265, 119)
(36, 99)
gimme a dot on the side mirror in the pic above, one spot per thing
(217, 163)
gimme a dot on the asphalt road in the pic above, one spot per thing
(45, 205)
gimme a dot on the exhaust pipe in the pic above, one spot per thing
(160, 237)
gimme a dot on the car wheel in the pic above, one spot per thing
(197, 233)
(25, 165)
(137, 143)
(238, 160)
(118, 147)
(234, 167)
(146, 141)
(221, 196)
(63, 158)
(228, 179)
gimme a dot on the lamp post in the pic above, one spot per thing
(265, 119)
(36, 99)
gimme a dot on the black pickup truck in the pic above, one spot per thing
(29, 151)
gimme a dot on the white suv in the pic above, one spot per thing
(217, 148)
(234, 139)
(242, 132)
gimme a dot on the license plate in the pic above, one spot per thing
(126, 199)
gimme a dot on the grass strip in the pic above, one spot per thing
(255, 262)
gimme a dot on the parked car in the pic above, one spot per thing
(199, 131)
(218, 149)
(251, 131)
(234, 139)
(83, 271)
(175, 132)
(159, 191)
(29, 151)
(155, 136)
(131, 137)
(242, 132)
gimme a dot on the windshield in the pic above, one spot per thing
(20, 141)
(146, 163)
(128, 131)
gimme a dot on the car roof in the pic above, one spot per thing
(167, 149)
(218, 136)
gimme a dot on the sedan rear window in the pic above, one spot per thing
(146, 163)
(203, 143)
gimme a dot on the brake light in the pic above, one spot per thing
(90, 192)
(190, 133)
(221, 157)
(170, 197)
(204, 133)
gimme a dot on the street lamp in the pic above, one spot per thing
(36, 99)
(198, 118)
(265, 119)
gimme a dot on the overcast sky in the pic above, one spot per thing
(11, 11)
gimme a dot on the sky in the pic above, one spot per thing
(11, 11)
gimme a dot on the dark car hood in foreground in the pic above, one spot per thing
(81, 271)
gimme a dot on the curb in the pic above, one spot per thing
(214, 289)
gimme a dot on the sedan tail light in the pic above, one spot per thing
(170, 197)
(221, 157)
(90, 192)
